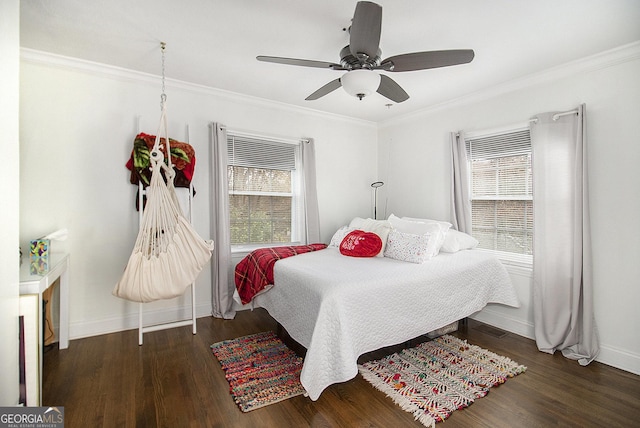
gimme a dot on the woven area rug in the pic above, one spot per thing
(437, 377)
(260, 369)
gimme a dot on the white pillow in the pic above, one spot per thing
(408, 247)
(339, 236)
(379, 227)
(444, 224)
(456, 241)
(437, 229)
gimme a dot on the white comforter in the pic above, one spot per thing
(341, 307)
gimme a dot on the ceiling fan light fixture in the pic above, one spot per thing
(360, 83)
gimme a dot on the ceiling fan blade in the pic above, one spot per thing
(329, 87)
(390, 89)
(424, 60)
(299, 62)
(365, 30)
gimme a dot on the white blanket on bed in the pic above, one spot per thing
(341, 307)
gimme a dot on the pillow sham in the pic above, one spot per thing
(444, 224)
(456, 241)
(359, 243)
(437, 230)
(379, 227)
(408, 247)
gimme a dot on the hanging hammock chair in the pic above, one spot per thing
(168, 254)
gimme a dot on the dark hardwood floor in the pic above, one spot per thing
(173, 380)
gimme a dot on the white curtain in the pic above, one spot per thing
(221, 265)
(562, 274)
(310, 193)
(460, 192)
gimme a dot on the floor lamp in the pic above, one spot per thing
(375, 186)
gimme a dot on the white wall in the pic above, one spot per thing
(9, 214)
(77, 125)
(418, 179)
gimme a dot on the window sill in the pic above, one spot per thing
(246, 249)
(513, 260)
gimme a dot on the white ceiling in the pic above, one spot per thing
(215, 42)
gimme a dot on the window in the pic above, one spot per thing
(263, 178)
(501, 192)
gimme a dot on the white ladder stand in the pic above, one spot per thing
(164, 326)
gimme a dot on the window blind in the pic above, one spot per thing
(515, 143)
(502, 190)
(501, 166)
(262, 202)
(260, 153)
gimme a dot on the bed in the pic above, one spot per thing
(341, 307)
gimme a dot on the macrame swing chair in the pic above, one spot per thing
(168, 254)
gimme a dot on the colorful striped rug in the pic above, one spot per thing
(438, 377)
(260, 369)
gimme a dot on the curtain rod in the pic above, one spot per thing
(555, 116)
(535, 119)
(276, 138)
(566, 113)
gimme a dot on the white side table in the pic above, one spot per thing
(34, 281)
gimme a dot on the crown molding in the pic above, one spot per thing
(124, 74)
(610, 58)
(606, 59)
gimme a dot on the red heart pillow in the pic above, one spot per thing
(361, 244)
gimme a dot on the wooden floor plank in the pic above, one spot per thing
(173, 380)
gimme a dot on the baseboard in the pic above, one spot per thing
(609, 355)
(512, 325)
(619, 358)
(130, 320)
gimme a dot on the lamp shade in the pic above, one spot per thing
(360, 83)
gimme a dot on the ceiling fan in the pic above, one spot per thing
(362, 57)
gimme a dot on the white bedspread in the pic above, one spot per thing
(341, 307)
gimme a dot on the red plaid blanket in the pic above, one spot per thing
(255, 271)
